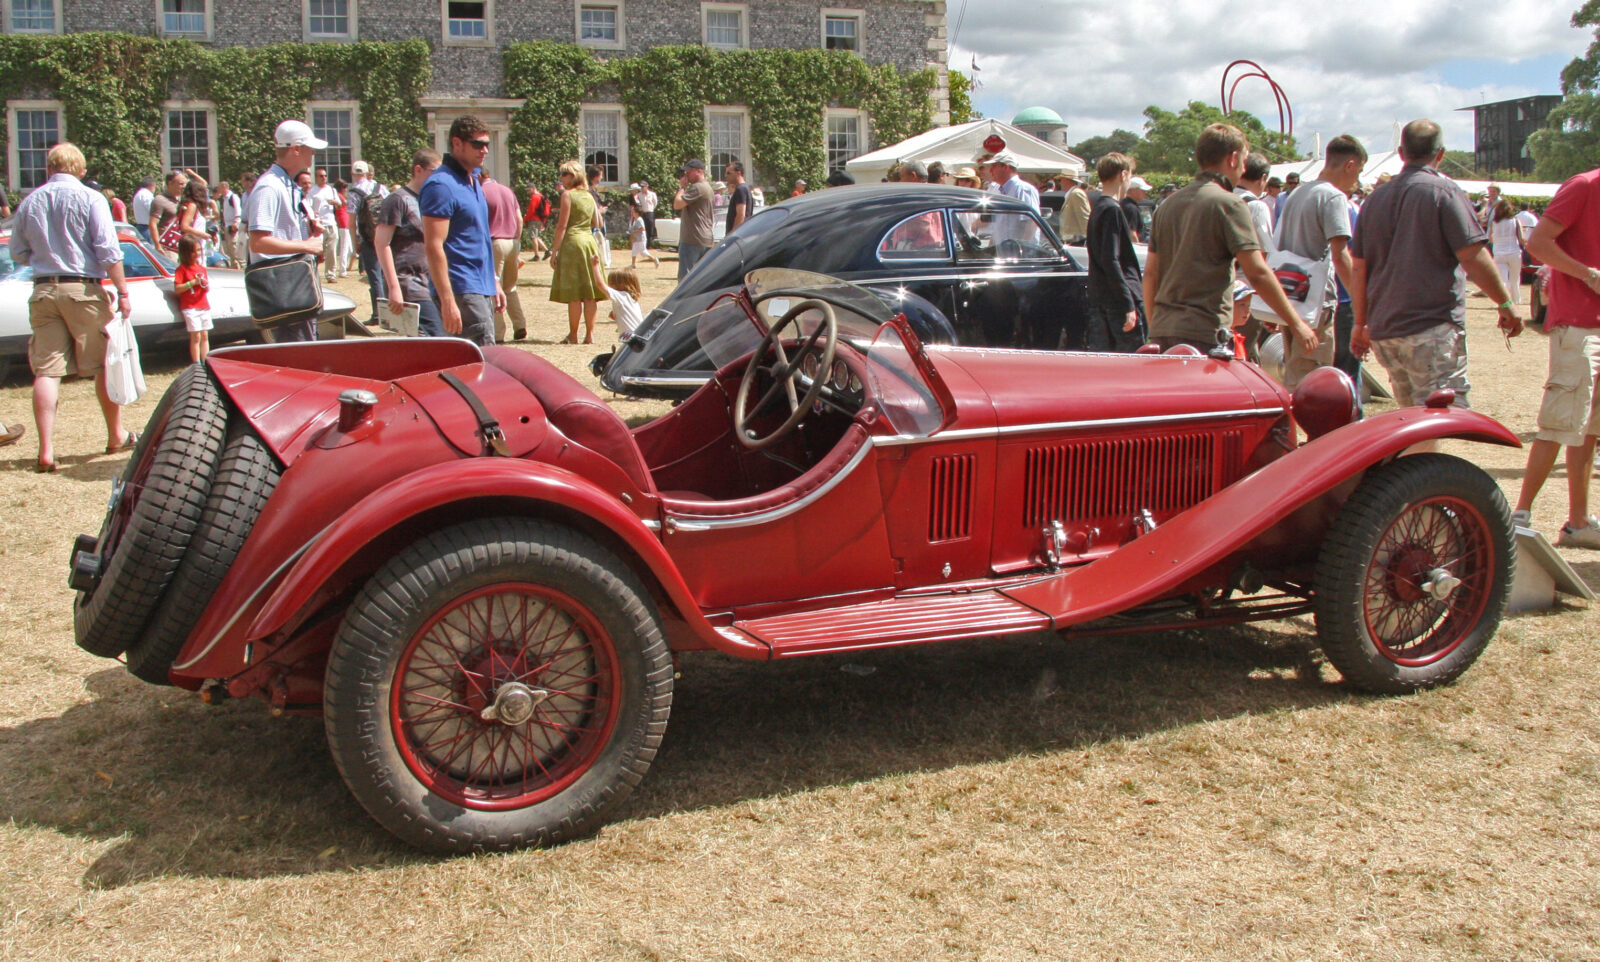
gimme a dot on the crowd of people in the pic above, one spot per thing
(441, 251)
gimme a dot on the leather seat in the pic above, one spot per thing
(573, 410)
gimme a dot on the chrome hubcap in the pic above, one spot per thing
(1440, 584)
(513, 704)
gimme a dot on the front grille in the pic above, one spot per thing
(950, 497)
(1117, 477)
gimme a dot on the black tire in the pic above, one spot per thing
(246, 477)
(1410, 526)
(154, 514)
(420, 656)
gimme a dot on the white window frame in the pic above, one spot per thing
(56, 5)
(742, 9)
(744, 135)
(845, 13)
(13, 168)
(860, 116)
(487, 40)
(621, 43)
(211, 134)
(355, 127)
(305, 25)
(203, 34)
(622, 140)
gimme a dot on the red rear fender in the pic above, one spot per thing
(500, 479)
(1156, 564)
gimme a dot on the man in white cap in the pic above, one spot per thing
(276, 218)
(1133, 206)
(1003, 167)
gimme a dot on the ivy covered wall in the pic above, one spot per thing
(113, 88)
(665, 89)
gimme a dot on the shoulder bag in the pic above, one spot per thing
(283, 290)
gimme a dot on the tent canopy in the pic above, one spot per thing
(1391, 162)
(957, 146)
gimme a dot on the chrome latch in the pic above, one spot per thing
(1055, 543)
(1144, 521)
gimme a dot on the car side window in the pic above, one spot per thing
(1004, 236)
(920, 237)
(135, 264)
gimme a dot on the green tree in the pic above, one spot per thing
(1119, 140)
(1570, 140)
(1170, 137)
(961, 99)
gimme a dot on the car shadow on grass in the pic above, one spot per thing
(174, 787)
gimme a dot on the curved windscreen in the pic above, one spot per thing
(725, 332)
(898, 387)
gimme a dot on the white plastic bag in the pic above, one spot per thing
(124, 378)
(1304, 280)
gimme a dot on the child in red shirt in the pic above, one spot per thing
(191, 282)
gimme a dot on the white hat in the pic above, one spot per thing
(1139, 183)
(1005, 157)
(633, 186)
(294, 133)
(360, 167)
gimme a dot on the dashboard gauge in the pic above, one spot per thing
(841, 375)
(809, 366)
(855, 384)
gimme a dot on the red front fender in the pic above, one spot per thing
(299, 592)
(1155, 564)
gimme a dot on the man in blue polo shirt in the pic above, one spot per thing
(455, 234)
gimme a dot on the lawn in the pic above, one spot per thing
(1181, 795)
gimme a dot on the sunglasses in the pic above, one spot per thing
(480, 144)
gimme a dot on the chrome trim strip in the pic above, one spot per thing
(266, 583)
(1015, 429)
(650, 524)
(986, 275)
(647, 379)
(691, 523)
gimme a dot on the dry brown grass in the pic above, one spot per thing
(1181, 795)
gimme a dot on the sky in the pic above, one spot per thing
(1380, 62)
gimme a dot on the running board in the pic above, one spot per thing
(902, 621)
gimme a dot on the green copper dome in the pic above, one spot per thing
(1037, 115)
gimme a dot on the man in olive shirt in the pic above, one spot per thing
(694, 205)
(1198, 235)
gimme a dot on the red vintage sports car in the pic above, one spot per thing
(481, 577)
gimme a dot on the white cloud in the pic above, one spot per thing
(1366, 66)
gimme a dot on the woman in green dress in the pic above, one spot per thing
(576, 254)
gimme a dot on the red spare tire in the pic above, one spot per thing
(154, 511)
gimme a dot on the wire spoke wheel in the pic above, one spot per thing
(1414, 573)
(1428, 581)
(505, 697)
(499, 683)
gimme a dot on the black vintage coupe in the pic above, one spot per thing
(965, 266)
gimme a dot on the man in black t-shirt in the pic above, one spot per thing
(740, 203)
(1116, 300)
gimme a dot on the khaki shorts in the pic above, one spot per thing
(69, 321)
(1567, 413)
(1419, 364)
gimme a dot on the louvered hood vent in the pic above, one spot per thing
(950, 498)
(1118, 477)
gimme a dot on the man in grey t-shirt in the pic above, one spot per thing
(401, 254)
(1315, 224)
(694, 206)
(1410, 305)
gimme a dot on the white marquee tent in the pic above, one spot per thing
(959, 145)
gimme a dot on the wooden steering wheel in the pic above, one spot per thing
(784, 374)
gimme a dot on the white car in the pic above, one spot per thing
(156, 321)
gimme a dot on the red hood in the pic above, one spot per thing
(1044, 387)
